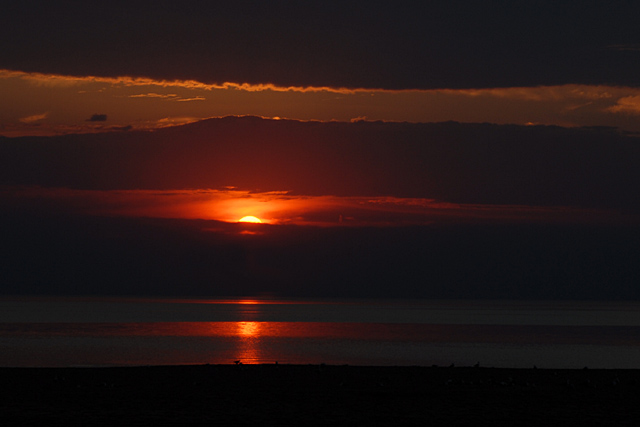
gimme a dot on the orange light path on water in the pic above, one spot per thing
(254, 331)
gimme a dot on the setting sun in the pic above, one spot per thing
(252, 219)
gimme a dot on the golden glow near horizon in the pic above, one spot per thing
(281, 208)
(45, 104)
(250, 219)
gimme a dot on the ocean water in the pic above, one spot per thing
(137, 331)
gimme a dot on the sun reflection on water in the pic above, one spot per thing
(249, 329)
(249, 345)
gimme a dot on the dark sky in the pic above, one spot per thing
(466, 181)
(396, 45)
(48, 254)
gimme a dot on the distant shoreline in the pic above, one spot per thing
(323, 394)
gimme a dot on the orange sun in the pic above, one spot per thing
(252, 219)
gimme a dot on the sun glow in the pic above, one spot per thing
(251, 219)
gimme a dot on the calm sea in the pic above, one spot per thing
(108, 332)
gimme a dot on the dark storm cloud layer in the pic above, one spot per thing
(450, 162)
(395, 45)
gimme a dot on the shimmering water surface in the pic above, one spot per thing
(106, 332)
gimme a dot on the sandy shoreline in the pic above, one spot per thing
(318, 394)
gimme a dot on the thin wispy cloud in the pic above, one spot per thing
(51, 80)
(195, 98)
(546, 93)
(34, 118)
(154, 95)
(168, 97)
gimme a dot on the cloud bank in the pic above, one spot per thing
(470, 164)
(422, 45)
(148, 104)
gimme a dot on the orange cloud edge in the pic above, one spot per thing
(550, 105)
(53, 79)
(229, 205)
(535, 93)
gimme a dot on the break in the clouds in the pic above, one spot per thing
(379, 45)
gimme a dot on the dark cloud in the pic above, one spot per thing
(451, 162)
(97, 118)
(356, 44)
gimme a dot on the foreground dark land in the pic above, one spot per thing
(325, 395)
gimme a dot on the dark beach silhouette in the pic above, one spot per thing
(337, 395)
